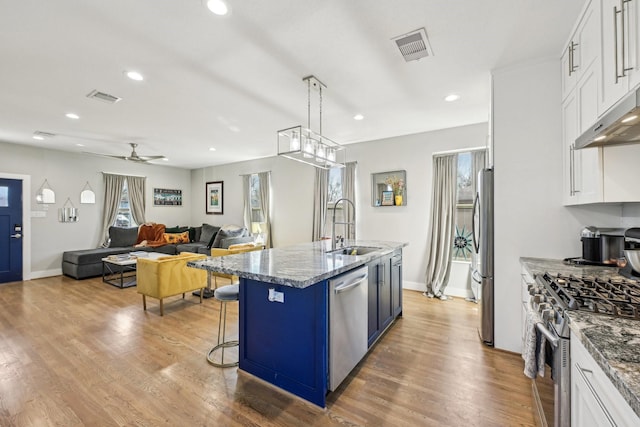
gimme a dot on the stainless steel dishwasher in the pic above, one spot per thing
(347, 323)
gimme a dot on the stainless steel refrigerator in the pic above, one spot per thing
(483, 260)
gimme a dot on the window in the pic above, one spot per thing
(124, 218)
(334, 190)
(465, 193)
(335, 185)
(257, 216)
(4, 197)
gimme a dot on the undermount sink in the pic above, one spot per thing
(355, 250)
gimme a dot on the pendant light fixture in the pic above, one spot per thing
(307, 146)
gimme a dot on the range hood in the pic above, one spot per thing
(620, 125)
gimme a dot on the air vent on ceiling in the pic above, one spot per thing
(414, 45)
(104, 97)
(44, 134)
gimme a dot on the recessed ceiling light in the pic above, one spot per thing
(73, 116)
(218, 7)
(134, 75)
(358, 117)
(79, 145)
(600, 138)
(452, 97)
(212, 149)
(629, 119)
(165, 159)
(38, 137)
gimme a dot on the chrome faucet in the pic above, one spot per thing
(334, 238)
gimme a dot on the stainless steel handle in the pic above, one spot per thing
(572, 62)
(475, 237)
(553, 340)
(16, 236)
(623, 37)
(384, 270)
(594, 393)
(615, 41)
(343, 287)
(572, 178)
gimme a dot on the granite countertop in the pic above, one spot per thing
(614, 343)
(298, 266)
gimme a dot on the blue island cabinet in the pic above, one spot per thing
(286, 343)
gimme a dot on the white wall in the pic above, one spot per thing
(412, 153)
(293, 182)
(292, 196)
(67, 174)
(530, 220)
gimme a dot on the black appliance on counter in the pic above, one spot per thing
(551, 297)
(631, 253)
(600, 246)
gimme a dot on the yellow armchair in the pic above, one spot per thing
(168, 276)
(232, 250)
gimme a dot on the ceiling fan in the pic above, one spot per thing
(134, 157)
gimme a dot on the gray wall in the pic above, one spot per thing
(67, 174)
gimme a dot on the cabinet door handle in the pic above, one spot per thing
(572, 62)
(594, 393)
(382, 282)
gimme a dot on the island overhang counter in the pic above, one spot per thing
(284, 340)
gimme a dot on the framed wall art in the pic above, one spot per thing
(215, 197)
(165, 197)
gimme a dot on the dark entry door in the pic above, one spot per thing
(10, 230)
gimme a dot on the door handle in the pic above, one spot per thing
(16, 236)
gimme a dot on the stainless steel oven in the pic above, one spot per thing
(552, 297)
(552, 393)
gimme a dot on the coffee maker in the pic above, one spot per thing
(631, 253)
(600, 246)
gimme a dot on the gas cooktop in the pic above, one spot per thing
(613, 297)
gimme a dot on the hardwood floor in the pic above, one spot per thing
(76, 353)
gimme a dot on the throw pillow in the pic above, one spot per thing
(122, 237)
(225, 234)
(208, 231)
(176, 229)
(176, 238)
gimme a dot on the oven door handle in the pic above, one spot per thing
(553, 340)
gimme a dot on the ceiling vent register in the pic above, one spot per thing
(414, 45)
(102, 96)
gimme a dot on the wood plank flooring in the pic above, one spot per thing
(84, 353)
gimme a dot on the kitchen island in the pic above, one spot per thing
(612, 342)
(284, 310)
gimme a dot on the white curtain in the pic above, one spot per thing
(136, 188)
(246, 196)
(349, 192)
(265, 205)
(440, 237)
(112, 195)
(320, 201)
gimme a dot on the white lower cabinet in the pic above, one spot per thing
(594, 399)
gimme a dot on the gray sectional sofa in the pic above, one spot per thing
(85, 263)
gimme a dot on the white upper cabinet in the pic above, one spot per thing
(583, 49)
(622, 175)
(615, 53)
(582, 168)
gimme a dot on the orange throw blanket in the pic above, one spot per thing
(150, 234)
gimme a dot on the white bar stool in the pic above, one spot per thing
(224, 294)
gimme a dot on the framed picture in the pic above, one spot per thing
(214, 197)
(387, 198)
(164, 197)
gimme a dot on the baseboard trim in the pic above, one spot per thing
(46, 273)
(413, 286)
(421, 287)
